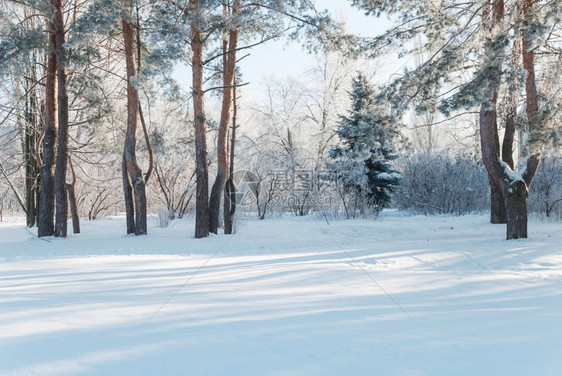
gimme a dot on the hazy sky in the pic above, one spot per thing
(281, 59)
(284, 59)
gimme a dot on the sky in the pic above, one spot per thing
(284, 59)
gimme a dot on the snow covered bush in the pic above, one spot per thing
(164, 218)
(545, 196)
(443, 184)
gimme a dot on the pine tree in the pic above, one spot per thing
(486, 52)
(368, 135)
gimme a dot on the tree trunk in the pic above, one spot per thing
(62, 145)
(509, 135)
(514, 187)
(202, 175)
(30, 145)
(133, 170)
(516, 194)
(72, 200)
(497, 203)
(128, 191)
(73, 208)
(45, 224)
(230, 188)
(229, 68)
(229, 206)
(498, 210)
(141, 115)
(532, 104)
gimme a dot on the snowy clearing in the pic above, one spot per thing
(284, 297)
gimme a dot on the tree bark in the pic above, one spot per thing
(72, 200)
(45, 224)
(230, 189)
(62, 145)
(515, 189)
(222, 162)
(73, 208)
(517, 192)
(202, 175)
(497, 202)
(498, 213)
(141, 115)
(531, 98)
(516, 206)
(128, 192)
(509, 136)
(31, 135)
(134, 172)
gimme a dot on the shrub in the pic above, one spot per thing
(443, 184)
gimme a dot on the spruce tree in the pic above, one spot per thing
(368, 134)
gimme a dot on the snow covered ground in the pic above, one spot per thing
(395, 296)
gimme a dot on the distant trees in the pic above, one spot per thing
(235, 18)
(545, 196)
(61, 102)
(442, 183)
(25, 39)
(70, 71)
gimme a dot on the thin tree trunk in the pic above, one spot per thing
(497, 202)
(531, 98)
(134, 171)
(72, 200)
(30, 144)
(148, 146)
(509, 135)
(73, 208)
(128, 192)
(230, 189)
(222, 158)
(62, 145)
(141, 115)
(45, 224)
(202, 189)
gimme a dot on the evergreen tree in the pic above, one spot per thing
(369, 135)
(485, 53)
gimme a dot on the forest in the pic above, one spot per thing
(280, 187)
(141, 108)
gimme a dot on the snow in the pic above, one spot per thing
(513, 175)
(389, 176)
(290, 296)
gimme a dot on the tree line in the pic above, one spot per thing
(64, 63)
